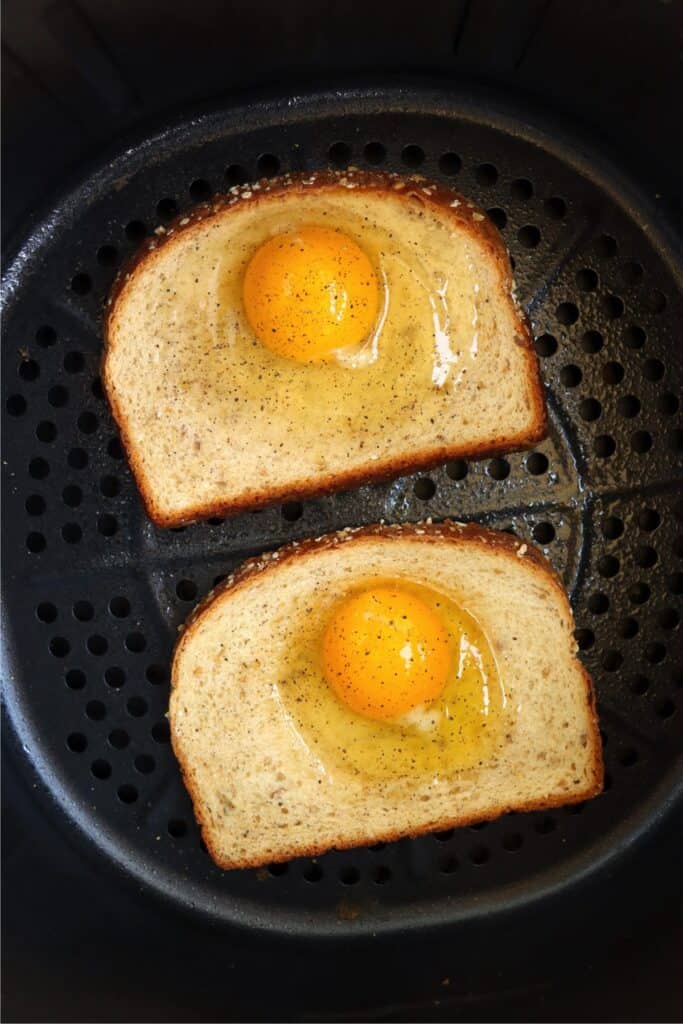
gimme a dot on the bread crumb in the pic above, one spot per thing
(521, 551)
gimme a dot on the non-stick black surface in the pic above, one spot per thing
(96, 593)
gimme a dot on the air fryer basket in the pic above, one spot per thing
(95, 593)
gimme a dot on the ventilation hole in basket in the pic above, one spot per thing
(591, 342)
(585, 638)
(349, 876)
(608, 566)
(424, 488)
(59, 646)
(46, 432)
(200, 190)
(119, 739)
(665, 708)
(161, 732)
(570, 376)
(97, 645)
(87, 423)
(598, 603)
(631, 272)
(81, 284)
(639, 593)
(641, 442)
(628, 406)
(101, 769)
(546, 345)
(529, 236)
(38, 468)
(186, 590)
(628, 628)
(156, 675)
(46, 612)
(655, 653)
(498, 217)
(486, 174)
(235, 175)
(668, 618)
(35, 505)
(95, 710)
(268, 165)
(521, 189)
(374, 152)
(46, 336)
(278, 870)
(567, 313)
(646, 556)
(77, 458)
(72, 496)
(479, 855)
(135, 642)
(127, 793)
(612, 306)
(450, 163)
(35, 542)
(498, 469)
(29, 370)
(649, 519)
(634, 336)
(555, 207)
(448, 864)
(217, 580)
(586, 280)
(313, 873)
(77, 742)
(167, 208)
(145, 764)
(457, 470)
(119, 607)
(445, 836)
(83, 611)
(613, 373)
(58, 396)
(16, 405)
(590, 409)
(135, 230)
(545, 826)
(292, 510)
(667, 403)
(537, 463)
(675, 583)
(544, 533)
(74, 362)
(107, 256)
(612, 660)
(640, 685)
(339, 154)
(605, 246)
(628, 757)
(512, 842)
(412, 155)
(75, 679)
(653, 369)
(612, 527)
(72, 533)
(115, 677)
(604, 446)
(655, 301)
(136, 707)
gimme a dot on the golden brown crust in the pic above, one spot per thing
(465, 214)
(427, 532)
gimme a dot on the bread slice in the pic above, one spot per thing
(261, 795)
(213, 422)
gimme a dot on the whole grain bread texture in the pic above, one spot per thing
(261, 795)
(214, 423)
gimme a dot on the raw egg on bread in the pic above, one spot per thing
(398, 680)
(307, 333)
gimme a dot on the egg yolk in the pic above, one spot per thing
(309, 292)
(385, 652)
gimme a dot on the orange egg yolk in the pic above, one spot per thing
(385, 652)
(309, 292)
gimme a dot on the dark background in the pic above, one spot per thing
(80, 942)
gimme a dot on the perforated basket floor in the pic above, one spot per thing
(95, 593)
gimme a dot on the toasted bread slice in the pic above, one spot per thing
(261, 794)
(214, 422)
